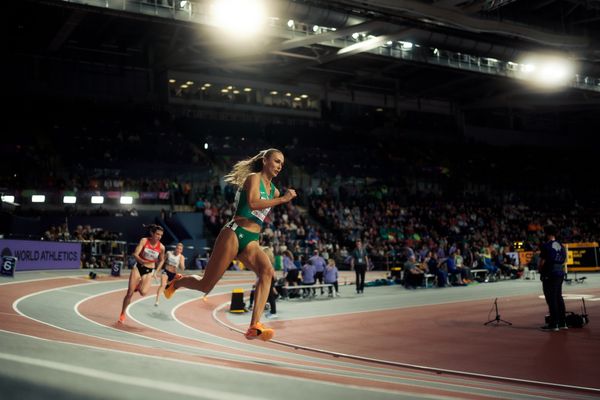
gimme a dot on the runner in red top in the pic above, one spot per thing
(149, 254)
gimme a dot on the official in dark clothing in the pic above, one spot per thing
(552, 274)
(360, 262)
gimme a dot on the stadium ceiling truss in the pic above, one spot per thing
(464, 51)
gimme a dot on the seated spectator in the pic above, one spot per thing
(413, 275)
(308, 278)
(435, 269)
(454, 274)
(331, 276)
(465, 272)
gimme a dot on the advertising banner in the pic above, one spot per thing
(34, 254)
(583, 256)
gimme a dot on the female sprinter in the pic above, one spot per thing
(148, 253)
(239, 237)
(174, 261)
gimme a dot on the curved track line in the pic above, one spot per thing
(165, 386)
(193, 363)
(220, 322)
(405, 365)
(284, 357)
(350, 368)
(248, 361)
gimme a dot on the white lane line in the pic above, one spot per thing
(165, 386)
(293, 363)
(43, 279)
(78, 304)
(405, 365)
(15, 306)
(260, 374)
(152, 348)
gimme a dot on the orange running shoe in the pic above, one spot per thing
(122, 318)
(259, 331)
(170, 288)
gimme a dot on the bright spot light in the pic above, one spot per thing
(355, 35)
(126, 200)
(239, 17)
(406, 45)
(291, 24)
(69, 199)
(38, 198)
(553, 72)
(97, 199)
(205, 145)
(527, 68)
(315, 28)
(8, 198)
(548, 71)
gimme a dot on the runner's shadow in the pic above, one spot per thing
(160, 315)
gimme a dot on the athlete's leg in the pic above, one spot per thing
(256, 259)
(134, 280)
(161, 287)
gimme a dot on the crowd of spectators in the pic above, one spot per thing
(401, 196)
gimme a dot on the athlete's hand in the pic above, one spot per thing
(289, 195)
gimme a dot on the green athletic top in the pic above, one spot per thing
(243, 210)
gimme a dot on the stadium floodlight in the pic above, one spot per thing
(291, 24)
(126, 200)
(239, 17)
(547, 71)
(406, 45)
(205, 145)
(97, 199)
(554, 73)
(527, 68)
(8, 198)
(38, 198)
(69, 199)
